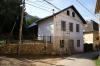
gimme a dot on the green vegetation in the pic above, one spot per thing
(2, 40)
(97, 62)
(9, 11)
(10, 15)
(31, 20)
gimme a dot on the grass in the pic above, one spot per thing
(97, 62)
(2, 39)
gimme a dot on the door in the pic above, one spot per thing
(71, 46)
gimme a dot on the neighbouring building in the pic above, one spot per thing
(91, 34)
(97, 11)
(64, 30)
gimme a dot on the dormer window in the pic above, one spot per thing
(68, 13)
(73, 14)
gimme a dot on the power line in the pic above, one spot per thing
(52, 4)
(39, 7)
(35, 1)
(43, 9)
(86, 8)
(38, 4)
(63, 14)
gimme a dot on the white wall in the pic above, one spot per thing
(88, 38)
(45, 28)
(73, 35)
(52, 27)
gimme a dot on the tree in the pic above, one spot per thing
(9, 11)
(28, 33)
(30, 19)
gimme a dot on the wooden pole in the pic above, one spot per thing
(21, 23)
(21, 26)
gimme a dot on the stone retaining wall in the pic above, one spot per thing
(26, 49)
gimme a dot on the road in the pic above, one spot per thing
(84, 59)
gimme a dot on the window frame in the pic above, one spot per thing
(63, 25)
(77, 28)
(68, 12)
(73, 14)
(62, 43)
(71, 25)
(78, 43)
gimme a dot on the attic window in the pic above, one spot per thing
(73, 14)
(68, 13)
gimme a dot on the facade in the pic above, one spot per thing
(64, 30)
(91, 34)
(97, 11)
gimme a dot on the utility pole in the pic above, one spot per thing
(21, 26)
(21, 22)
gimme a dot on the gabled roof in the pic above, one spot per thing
(84, 22)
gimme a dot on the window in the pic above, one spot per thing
(77, 28)
(71, 27)
(78, 43)
(68, 13)
(61, 43)
(73, 14)
(63, 25)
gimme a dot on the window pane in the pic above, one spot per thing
(78, 43)
(63, 25)
(62, 43)
(68, 13)
(71, 27)
(73, 14)
(77, 28)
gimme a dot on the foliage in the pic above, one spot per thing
(97, 62)
(9, 11)
(31, 20)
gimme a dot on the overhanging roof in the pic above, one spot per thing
(97, 6)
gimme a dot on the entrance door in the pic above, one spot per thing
(71, 46)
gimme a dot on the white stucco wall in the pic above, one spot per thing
(88, 38)
(45, 28)
(73, 35)
(52, 27)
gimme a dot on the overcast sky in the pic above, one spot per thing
(47, 9)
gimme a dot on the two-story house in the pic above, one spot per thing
(64, 30)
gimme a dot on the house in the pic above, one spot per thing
(97, 11)
(64, 30)
(91, 34)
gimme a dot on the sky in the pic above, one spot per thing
(43, 9)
